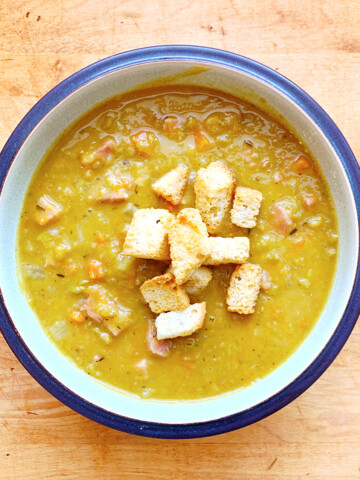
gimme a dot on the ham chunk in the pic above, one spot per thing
(114, 186)
(47, 210)
(97, 158)
(280, 219)
(161, 348)
(102, 307)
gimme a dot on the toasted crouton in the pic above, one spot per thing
(163, 294)
(246, 207)
(171, 186)
(182, 323)
(199, 280)
(244, 288)
(147, 236)
(188, 243)
(227, 250)
(214, 189)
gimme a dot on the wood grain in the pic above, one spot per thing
(315, 43)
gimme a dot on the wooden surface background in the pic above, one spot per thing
(316, 43)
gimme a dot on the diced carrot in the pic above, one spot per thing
(304, 324)
(301, 164)
(77, 316)
(96, 270)
(202, 143)
(144, 143)
(100, 238)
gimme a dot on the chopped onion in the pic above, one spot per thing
(34, 271)
(60, 330)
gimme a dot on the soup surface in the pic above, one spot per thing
(73, 226)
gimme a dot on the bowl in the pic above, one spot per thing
(266, 89)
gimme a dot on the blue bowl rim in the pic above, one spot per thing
(347, 323)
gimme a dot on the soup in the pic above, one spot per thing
(88, 290)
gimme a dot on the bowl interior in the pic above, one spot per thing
(69, 109)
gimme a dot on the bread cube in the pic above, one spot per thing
(181, 323)
(171, 186)
(147, 236)
(244, 288)
(188, 243)
(163, 294)
(246, 207)
(227, 250)
(214, 189)
(199, 280)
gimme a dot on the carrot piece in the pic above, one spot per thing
(202, 143)
(144, 143)
(301, 164)
(100, 238)
(96, 270)
(77, 316)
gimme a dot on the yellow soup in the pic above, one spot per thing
(81, 202)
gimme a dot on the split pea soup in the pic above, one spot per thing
(86, 292)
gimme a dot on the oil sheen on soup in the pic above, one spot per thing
(80, 204)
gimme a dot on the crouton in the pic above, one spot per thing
(147, 236)
(199, 280)
(163, 294)
(171, 186)
(246, 207)
(188, 243)
(227, 250)
(244, 288)
(214, 189)
(182, 323)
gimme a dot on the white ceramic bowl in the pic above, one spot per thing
(240, 77)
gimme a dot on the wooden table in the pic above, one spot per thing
(317, 45)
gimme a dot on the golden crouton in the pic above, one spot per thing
(199, 280)
(181, 323)
(246, 207)
(171, 186)
(214, 189)
(147, 236)
(163, 294)
(227, 250)
(244, 288)
(188, 243)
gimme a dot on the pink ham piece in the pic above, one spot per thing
(280, 220)
(90, 312)
(160, 348)
(105, 149)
